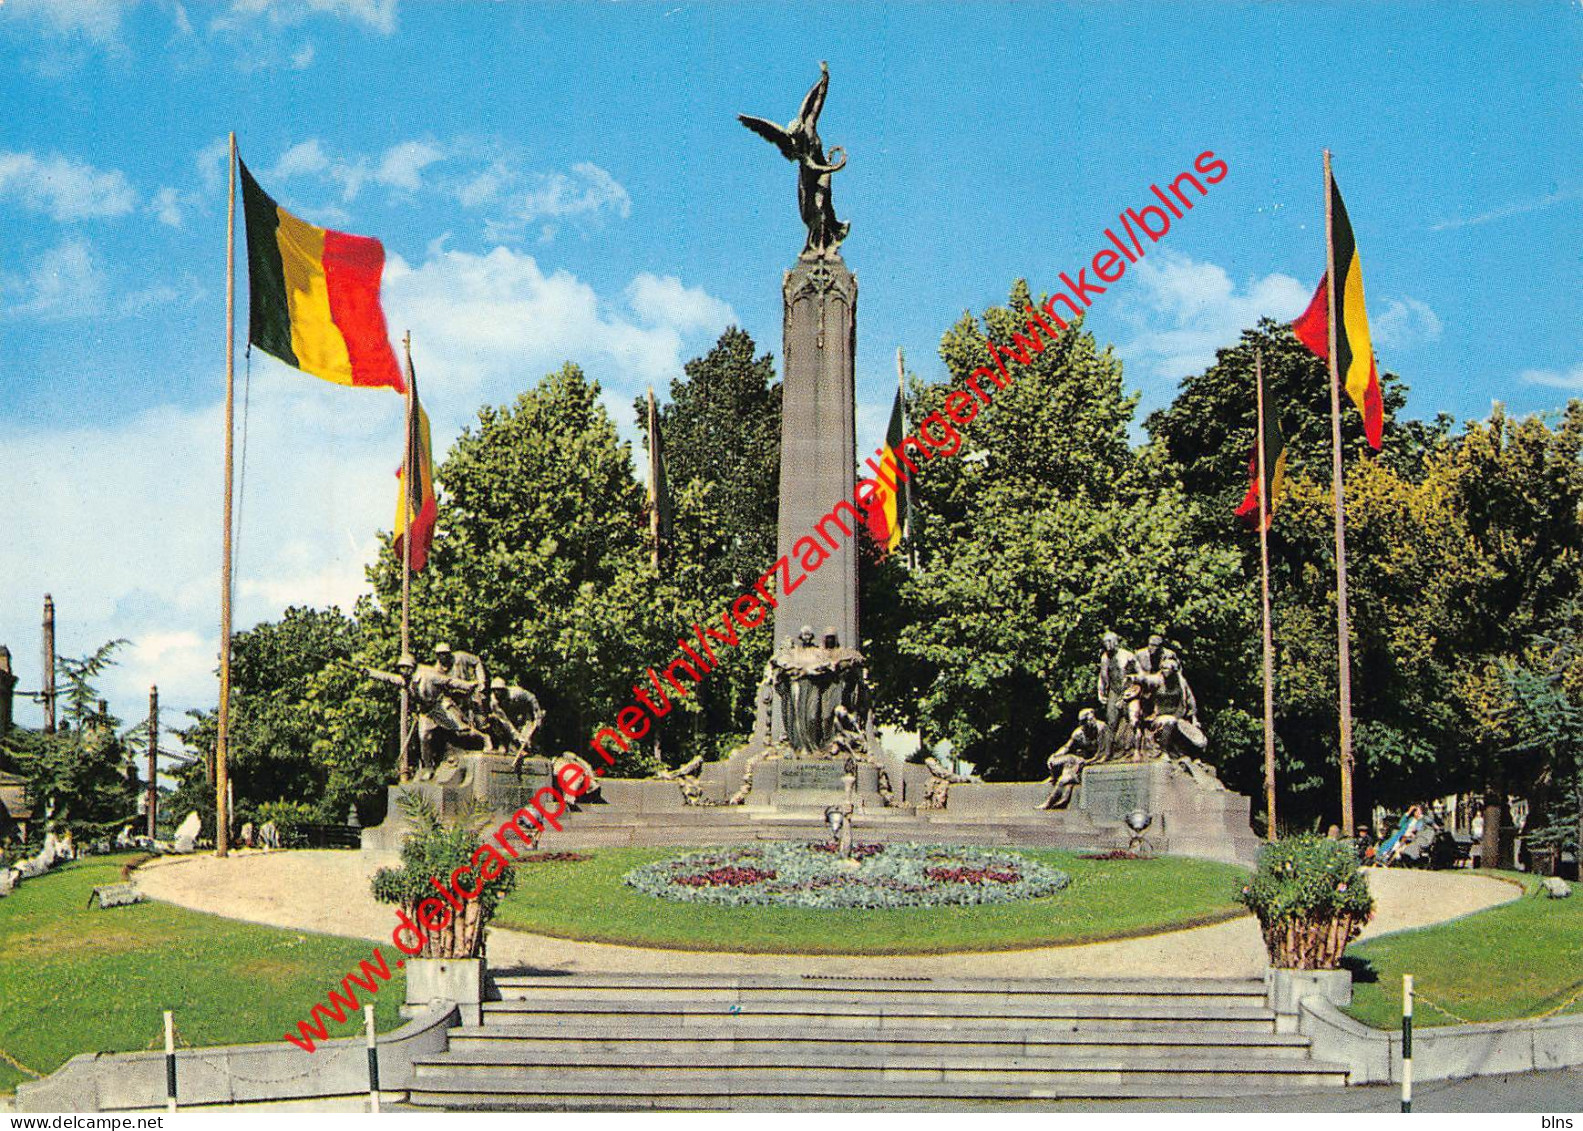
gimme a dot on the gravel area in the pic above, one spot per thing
(328, 892)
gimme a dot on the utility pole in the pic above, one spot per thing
(153, 759)
(49, 664)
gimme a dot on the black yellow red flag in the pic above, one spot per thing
(314, 295)
(416, 506)
(1354, 352)
(1274, 467)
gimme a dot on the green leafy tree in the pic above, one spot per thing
(1045, 532)
(721, 434)
(80, 779)
(540, 562)
(285, 680)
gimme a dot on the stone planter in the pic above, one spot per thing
(1287, 988)
(459, 980)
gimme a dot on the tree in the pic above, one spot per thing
(540, 562)
(80, 779)
(721, 433)
(288, 678)
(1047, 531)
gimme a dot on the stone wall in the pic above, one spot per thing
(239, 1074)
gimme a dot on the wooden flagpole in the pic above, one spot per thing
(1343, 620)
(408, 518)
(912, 545)
(654, 517)
(222, 809)
(152, 793)
(1264, 564)
(654, 483)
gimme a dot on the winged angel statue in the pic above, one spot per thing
(800, 142)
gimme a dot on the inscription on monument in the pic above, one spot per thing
(810, 775)
(1114, 791)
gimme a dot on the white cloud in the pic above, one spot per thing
(1555, 378)
(376, 15)
(1518, 209)
(1403, 323)
(587, 190)
(166, 207)
(484, 188)
(666, 302)
(212, 161)
(64, 283)
(123, 524)
(497, 321)
(1184, 310)
(63, 189)
(401, 166)
(98, 21)
(303, 159)
(302, 58)
(122, 520)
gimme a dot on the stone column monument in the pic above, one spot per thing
(818, 437)
(818, 445)
(818, 719)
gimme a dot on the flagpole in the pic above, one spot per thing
(222, 808)
(654, 517)
(901, 391)
(1264, 564)
(1343, 627)
(654, 487)
(404, 770)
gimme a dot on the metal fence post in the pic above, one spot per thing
(373, 1059)
(1407, 1042)
(170, 1061)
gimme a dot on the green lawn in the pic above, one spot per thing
(1105, 900)
(1520, 959)
(74, 980)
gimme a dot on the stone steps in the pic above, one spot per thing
(743, 1092)
(593, 1039)
(637, 1067)
(781, 1043)
(853, 1015)
(824, 995)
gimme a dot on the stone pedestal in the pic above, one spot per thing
(818, 448)
(1194, 815)
(811, 783)
(474, 776)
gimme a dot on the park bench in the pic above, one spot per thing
(115, 895)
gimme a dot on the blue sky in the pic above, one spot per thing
(568, 182)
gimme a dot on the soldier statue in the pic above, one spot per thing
(1066, 764)
(1115, 664)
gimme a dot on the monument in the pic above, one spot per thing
(818, 431)
(476, 741)
(817, 714)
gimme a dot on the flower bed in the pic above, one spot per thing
(812, 875)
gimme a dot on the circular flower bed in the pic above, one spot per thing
(813, 875)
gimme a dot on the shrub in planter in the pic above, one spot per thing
(434, 850)
(1311, 901)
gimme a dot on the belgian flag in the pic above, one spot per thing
(1354, 353)
(314, 295)
(416, 506)
(891, 524)
(1274, 468)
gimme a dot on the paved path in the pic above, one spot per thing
(328, 892)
